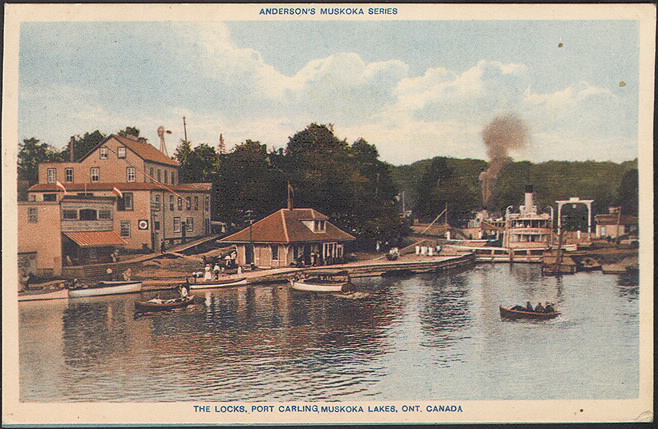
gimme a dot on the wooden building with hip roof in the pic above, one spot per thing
(290, 236)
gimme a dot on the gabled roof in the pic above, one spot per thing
(286, 226)
(144, 150)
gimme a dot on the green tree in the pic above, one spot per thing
(628, 193)
(131, 132)
(201, 164)
(249, 181)
(30, 154)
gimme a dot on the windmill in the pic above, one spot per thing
(163, 144)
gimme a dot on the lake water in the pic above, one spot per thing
(425, 337)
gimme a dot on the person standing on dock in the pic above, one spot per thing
(207, 275)
(216, 270)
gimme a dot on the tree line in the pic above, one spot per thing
(360, 193)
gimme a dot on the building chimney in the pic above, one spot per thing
(72, 149)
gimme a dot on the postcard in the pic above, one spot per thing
(298, 214)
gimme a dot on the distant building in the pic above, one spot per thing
(614, 224)
(139, 189)
(289, 236)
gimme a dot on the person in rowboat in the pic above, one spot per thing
(539, 308)
(528, 306)
(549, 308)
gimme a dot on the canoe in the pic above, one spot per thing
(106, 288)
(210, 284)
(508, 313)
(163, 304)
(43, 295)
(323, 281)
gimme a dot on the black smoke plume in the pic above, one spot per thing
(502, 134)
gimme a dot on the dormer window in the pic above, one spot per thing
(319, 226)
(103, 152)
(121, 152)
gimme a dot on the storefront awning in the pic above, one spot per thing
(96, 238)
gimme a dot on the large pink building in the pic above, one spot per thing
(148, 204)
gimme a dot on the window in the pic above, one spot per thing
(103, 152)
(50, 197)
(190, 224)
(188, 203)
(121, 151)
(95, 174)
(70, 214)
(105, 214)
(88, 214)
(176, 224)
(159, 175)
(68, 174)
(173, 178)
(166, 176)
(33, 215)
(275, 252)
(151, 174)
(125, 203)
(206, 205)
(125, 228)
(156, 203)
(180, 203)
(131, 174)
(196, 203)
(171, 203)
(52, 175)
(157, 225)
(320, 225)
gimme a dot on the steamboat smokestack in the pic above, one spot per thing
(529, 202)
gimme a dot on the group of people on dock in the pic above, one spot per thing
(548, 308)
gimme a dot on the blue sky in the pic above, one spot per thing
(415, 89)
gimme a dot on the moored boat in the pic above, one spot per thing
(44, 294)
(510, 314)
(157, 304)
(196, 283)
(589, 264)
(106, 288)
(324, 281)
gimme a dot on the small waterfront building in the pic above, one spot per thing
(614, 224)
(289, 236)
(151, 206)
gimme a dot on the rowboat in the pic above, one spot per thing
(157, 304)
(508, 313)
(106, 288)
(44, 294)
(323, 281)
(195, 283)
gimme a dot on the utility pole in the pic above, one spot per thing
(185, 129)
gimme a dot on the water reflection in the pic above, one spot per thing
(272, 343)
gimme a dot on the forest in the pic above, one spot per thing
(359, 192)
